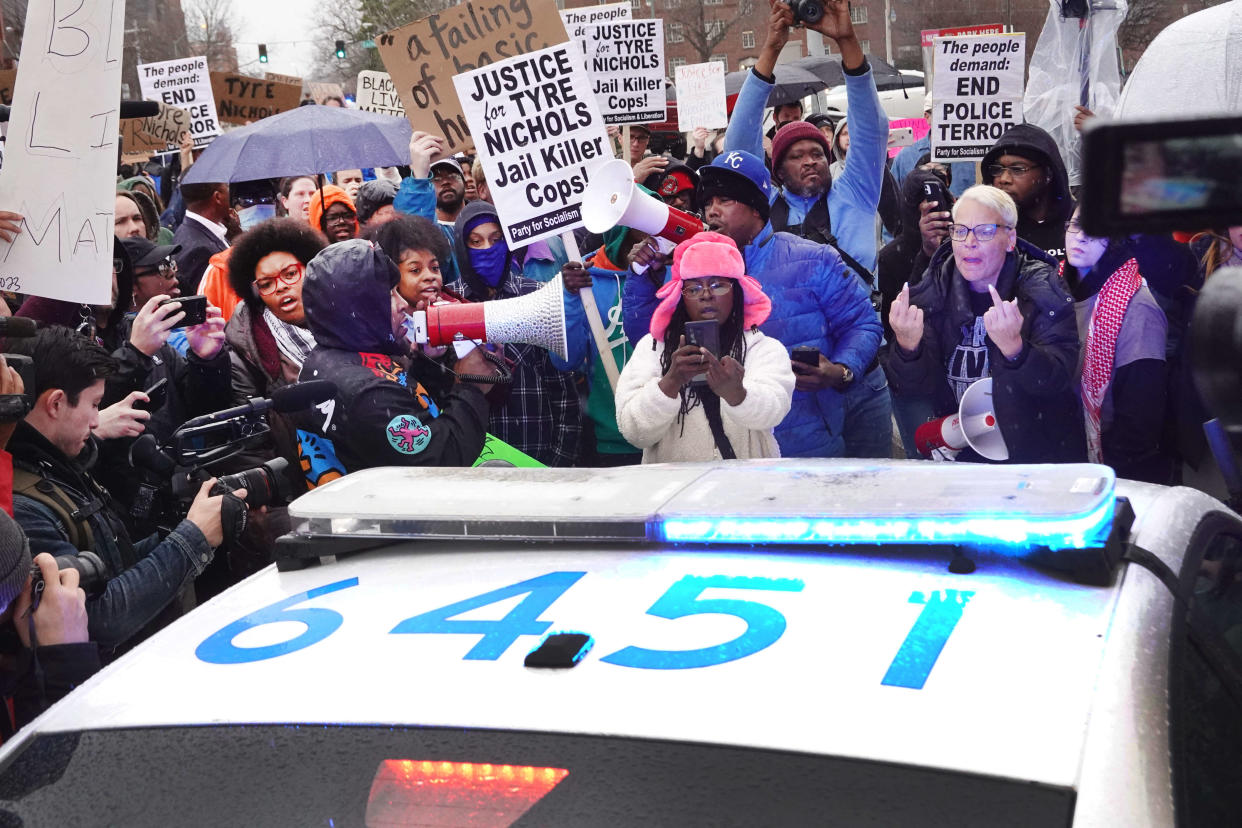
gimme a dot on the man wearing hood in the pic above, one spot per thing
(382, 413)
(540, 413)
(1027, 165)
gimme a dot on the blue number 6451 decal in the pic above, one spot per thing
(764, 625)
(218, 648)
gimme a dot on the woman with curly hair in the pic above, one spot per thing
(745, 392)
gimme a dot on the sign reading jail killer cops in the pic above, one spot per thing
(625, 62)
(59, 169)
(423, 56)
(977, 92)
(144, 137)
(701, 96)
(241, 99)
(185, 83)
(540, 136)
(575, 19)
(376, 93)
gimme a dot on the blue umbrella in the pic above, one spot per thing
(309, 139)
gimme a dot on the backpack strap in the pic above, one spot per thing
(38, 487)
(817, 227)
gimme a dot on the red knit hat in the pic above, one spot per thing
(789, 135)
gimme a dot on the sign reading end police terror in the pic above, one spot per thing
(977, 89)
(539, 135)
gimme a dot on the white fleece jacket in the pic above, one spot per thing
(648, 419)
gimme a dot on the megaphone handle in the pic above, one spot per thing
(665, 247)
(592, 314)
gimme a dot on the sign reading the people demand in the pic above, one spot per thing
(376, 93)
(539, 134)
(242, 100)
(423, 56)
(701, 96)
(625, 62)
(59, 169)
(185, 83)
(977, 91)
(575, 19)
(143, 137)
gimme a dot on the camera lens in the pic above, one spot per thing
(264, 484)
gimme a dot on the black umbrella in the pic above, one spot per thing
(793, 83)
(828, 69)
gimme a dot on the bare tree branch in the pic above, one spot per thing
(210, 26)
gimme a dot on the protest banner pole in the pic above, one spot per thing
(625, 144)
(592, 314)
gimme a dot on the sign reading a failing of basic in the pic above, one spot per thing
(539, 135)
(625, 62)
(977, 90)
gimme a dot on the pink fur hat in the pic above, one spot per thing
(709, 254)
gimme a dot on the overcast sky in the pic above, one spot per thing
(273, 21)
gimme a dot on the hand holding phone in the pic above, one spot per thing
(195, 308)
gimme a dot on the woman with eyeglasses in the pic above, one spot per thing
(992, 305)
(679, 401)
(1121, 376)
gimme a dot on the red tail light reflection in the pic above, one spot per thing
(413, 792)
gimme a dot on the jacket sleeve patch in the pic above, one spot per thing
(407, 434)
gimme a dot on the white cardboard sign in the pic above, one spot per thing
(625, 62)
(539, 134)
(701, 96)
(575, 19)
(185, 83)
(60, 161)
(977, 89)
(376, 93)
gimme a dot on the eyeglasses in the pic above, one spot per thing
(338, 218)
(1014, 170)
(983, 232)
(291, 275)
(166, 270)
(718, 287)
(1073, 226)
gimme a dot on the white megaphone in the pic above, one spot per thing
(534, 319)
(612, 198)
(973, 425)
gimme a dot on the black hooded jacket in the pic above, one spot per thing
(1029, 141)
(382, 414)
(1040, 416)
(897, 258)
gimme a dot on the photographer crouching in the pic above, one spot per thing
(67, 514)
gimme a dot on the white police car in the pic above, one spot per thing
(772, 643)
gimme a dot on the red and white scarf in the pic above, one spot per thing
(1101, 347)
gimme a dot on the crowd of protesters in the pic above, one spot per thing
(829, 341)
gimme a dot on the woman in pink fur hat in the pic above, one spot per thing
(729, 411)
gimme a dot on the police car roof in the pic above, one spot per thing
(884, 655)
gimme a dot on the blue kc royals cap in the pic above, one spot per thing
(740, 176)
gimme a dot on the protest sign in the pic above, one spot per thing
(241, 99)
(60, 160)
(977, 92)
(376, 93)
(701, 96)
(322, 91)
(279, 78)
(625, 62)
(8, 79)
(422, 56)
(539, 135)
(575, 19)
(187, 84)
(144, 137)
(928, 36)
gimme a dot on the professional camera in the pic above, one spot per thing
(806, 11)
(14, 407)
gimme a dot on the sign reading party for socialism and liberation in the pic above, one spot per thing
(242, 100)
(977, 92)
(59, 169)
(185, 83)
(376, 93)
(539, 134)
(701, 96)
(625, 62)
(423, 56)
(575, 19)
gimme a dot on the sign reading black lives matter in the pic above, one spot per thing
(540, 136)
(977, 90)
(625, 61)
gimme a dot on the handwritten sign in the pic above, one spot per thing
(60, 158)
(625, 62)
(279, 78)
(187, 84)
(539, 134)
(144, 137)
(376, 93)
(701, 96)
(977, 91)
(242, 100)
(575, 19)
(422, 56)
(8, 79)
(322, 91)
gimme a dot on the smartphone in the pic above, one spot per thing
(935, 191)
(806, 354)
(705, 334)
(157, 393)
(195, 308)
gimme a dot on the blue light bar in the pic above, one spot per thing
(1084, 531)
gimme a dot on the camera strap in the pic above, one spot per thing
(39, 487)
(711, 408)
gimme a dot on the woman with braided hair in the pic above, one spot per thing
(744, 393)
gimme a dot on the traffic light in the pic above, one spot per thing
(340, 50)
(262, 53)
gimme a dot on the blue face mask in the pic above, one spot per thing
(490, 262)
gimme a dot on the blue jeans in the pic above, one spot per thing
(911, 412)
(869, 417)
